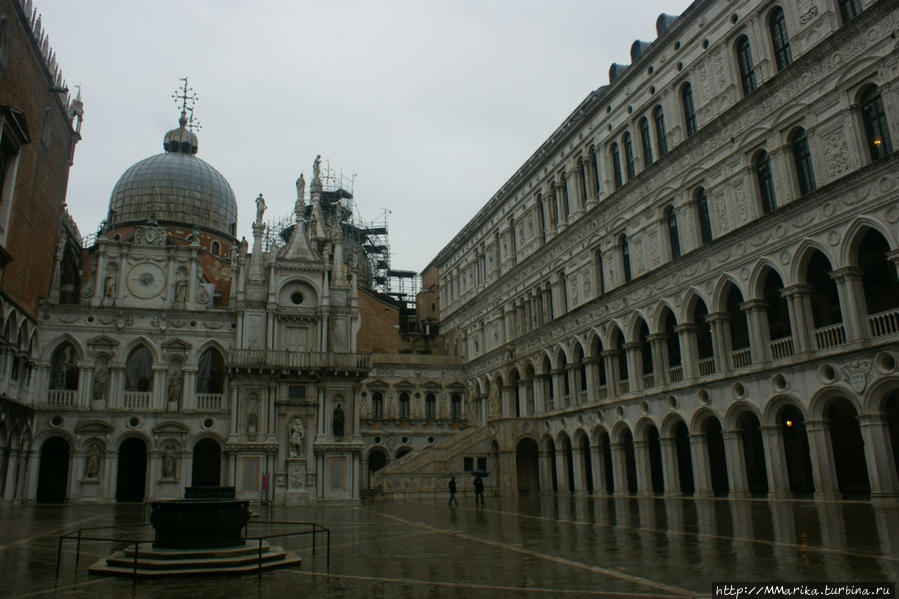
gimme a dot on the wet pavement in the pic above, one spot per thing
(547, 547)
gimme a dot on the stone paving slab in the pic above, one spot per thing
(547, 547)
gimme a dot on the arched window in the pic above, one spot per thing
(377, 405)
(64, 368)
(702, 208)
(783, 56)
(686, 94)
(762, 168)
(625, 257)
(595, 169)
(211, 372)
(456, 404)
(215, 248)
(139, 370)
(600, 276)
(802, 158)
(658, 116)
(646, 141)
(616, 164)
(875, 118)
(566, 207)
(629, 157)
(744, 61)
(430, 406)
(849, 9)
(404, 406)
(673, 239)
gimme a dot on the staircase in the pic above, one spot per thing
(153, 563)
(426, 470)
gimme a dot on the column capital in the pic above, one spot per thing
(846, 272)
(799, 289)
(631, 346)
(754, 305)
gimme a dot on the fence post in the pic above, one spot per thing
(59, 555)
(78, 550)
(134, 573)
(314, 534)
(260, 557)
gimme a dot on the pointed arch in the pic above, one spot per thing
(803, 255)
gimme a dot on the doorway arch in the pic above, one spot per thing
(848, 449)
(53, 473)
(526, 459)
(131, 476)
(207, 464)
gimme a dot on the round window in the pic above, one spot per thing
(296, 297)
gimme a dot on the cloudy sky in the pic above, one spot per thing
(433, 105)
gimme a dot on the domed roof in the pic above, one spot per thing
(175, 187)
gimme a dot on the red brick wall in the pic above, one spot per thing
(379, 330)
(43, 170)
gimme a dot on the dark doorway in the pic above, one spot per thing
(526, 459)
(655, 461)
(131, 478)
(587, 461)
(717, 462)
(551, 451)
(753, 454)
(684, 458)
(848, 449)
(569, 464)
(630, 462)
(377, 459)
(605, 447)
(799, 464)
(207, 464)
(891, 413)
(53, 474)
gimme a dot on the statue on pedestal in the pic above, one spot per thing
(295, 438)
(92, 465)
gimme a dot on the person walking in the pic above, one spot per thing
(452, 490)
(479, 491)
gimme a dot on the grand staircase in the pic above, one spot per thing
(426, 470)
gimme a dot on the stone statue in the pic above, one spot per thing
(316, 169)
(494, 399)
(260, 208)
(92, 465)
(337, 421)
(295, 438)
(101, 376)
(175, 385)
(109, 284)
(244, 247)
(181, 287)
(301, 190)
(168, 464)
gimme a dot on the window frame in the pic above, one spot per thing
(761, 165)
(689, 108)
(802, 161)
(646, 141)
(780, 38)
(743, 51)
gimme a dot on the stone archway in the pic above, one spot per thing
(131, 478)
(796, 451)
(527, 465)
(714, 439)
(207, 464)
(53, 473)
(684, 458)
(750, 433)
(848, 449)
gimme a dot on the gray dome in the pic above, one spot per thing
(174, 187)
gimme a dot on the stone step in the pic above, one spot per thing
(119, 565)
(178, 554)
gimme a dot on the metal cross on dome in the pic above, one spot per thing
(187, 98)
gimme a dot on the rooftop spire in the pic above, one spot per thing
(183, 139)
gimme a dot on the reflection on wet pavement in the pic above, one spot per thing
(549, 546)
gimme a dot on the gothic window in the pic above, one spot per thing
(563, 182)
(705, 223)
(875, 119)
(625, 257)
(211, 372)
(658, 115)
(629, 156)
(616, 164)
(430, 406)
(404, 406)
(64, 368)
(646, 141)
(783, 56)
(849, 9)
(600, 277)
(582, 169)
(744, 61)
(377, 405)
(802, 157)
(595, 170)
(762, 168)
(139, 370)
(686, 94)
(673, 240)
(456, 405)
(13, 135)
(215, 248)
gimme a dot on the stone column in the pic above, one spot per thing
(759, 334)
(799, 308)
(670, 469)
(659, 358)
(776, 463)
(821, 454)
(686, 336)
(736, 464)
(558, 388)
(544, 472)
(160, 389)
(879, 457)
(598, 465)
(592, 365)
(561, 470)
(116, 387)
(619, 469)
(9, 487)
(577, 467)
(610, 357)
(634, 366)
(851, 292)
(699, 453)
(644, 472)
(718, 324)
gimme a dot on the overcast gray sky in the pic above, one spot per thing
(433, 105)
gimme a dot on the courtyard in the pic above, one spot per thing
(546, 547)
